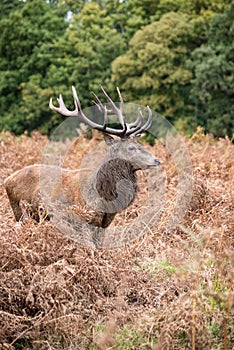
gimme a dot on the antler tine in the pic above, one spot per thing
(133, 128)
(146, 126)
(115, 109)
(102, 108)
(62, 109)
(120, 99)
(97, 102)
(76, 99)
(137, 121)
(83, 116)
(140, 128)
(149, 120)
(105, 122)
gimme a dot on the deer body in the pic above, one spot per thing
(109, 189)
(24, 185)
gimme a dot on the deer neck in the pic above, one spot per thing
(113, 173)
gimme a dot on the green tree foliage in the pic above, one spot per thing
(139, 13)
(213, 85)
(93, 45)
(8, 6)
(26, 51)
(152, 71)
(174, 55)
(43, 57)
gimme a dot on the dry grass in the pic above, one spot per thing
(163, 291)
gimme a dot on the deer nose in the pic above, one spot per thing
(157, 162)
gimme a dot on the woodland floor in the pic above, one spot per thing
(164, 290)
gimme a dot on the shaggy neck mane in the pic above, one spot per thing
(110, 173)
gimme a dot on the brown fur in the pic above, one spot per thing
(112, 188)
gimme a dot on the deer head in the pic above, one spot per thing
(125, 147)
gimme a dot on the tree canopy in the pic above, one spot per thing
(213, 82)
(152, 71)
(175, 56)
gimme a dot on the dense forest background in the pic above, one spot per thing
(177, 56)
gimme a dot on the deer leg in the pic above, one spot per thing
(15, 205)
(16, 210)
(107, 219)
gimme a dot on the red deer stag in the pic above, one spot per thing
(113, 186)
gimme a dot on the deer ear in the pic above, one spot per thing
(109, 140)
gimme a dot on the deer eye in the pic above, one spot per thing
(131, 148)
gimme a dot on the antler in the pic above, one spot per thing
(127, 130)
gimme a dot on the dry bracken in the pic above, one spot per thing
(163, 291)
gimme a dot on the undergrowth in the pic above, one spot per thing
(163, 291)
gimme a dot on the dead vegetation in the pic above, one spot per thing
(163, 291)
